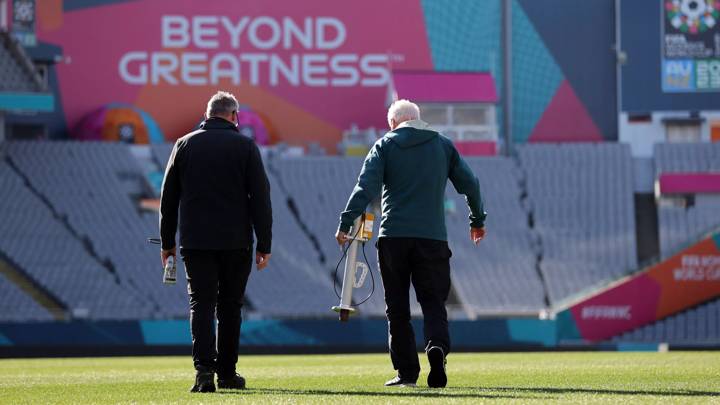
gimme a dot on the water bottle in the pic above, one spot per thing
(170, 273)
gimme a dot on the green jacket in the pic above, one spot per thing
(410, 166)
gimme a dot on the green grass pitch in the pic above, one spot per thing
(600, 377)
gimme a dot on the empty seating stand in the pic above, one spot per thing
(682, 224)
(570, 205)
(87, 183)
(581, 197)
(498, 275)
(33, 239)
(696, 326)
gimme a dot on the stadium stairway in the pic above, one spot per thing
(84, 188)
(32, 290)
(18, 71)
(581, 200)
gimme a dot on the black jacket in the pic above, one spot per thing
(215, 176)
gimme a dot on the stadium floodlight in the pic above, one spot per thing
(361, 232)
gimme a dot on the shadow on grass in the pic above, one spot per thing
(552, 390)
(392, 392)
(476, 392)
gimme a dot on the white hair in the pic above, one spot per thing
(403, 110)
(222, 103)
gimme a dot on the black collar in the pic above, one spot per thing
(218, 123)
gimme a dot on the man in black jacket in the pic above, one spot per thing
(216, 178)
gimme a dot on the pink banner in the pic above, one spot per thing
(689, 183)
(680, 282)
(476, 148)
(309, 69)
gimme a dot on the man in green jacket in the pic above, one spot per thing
(409, 167)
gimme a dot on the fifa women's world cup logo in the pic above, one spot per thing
(692, 16)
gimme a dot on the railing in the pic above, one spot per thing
(21, 57)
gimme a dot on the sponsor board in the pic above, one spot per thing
(690, 45)
(309, 69)
(686, 279)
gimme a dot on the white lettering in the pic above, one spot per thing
(142, 74)
(688, 274)
(690, 260)
(217, 71)
(310, 69)
(322, 40)
(186, 59)
(291, 73)
(304, 37)
(194, 63)
(350, 74)
(254, 36)
(695, 267)
(679, 68)
(254, 59)
(375, 67)
(175, 31)
(204, 27)
(163, 64)
(713, 274)
(235, 30)
(606, 312)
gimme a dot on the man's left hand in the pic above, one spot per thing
(341, 238)
(165, 253)
(477, 234)
(261, 260)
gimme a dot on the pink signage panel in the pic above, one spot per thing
(309, 69)
(689, 183)
(622, 308)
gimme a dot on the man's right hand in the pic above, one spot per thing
(477, 234)
(165, 253)
(341, 238)
(261, 260)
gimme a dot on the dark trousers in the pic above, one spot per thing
(426, 263)
(216, 285)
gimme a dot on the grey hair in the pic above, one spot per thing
(403, 110)
(222, 103)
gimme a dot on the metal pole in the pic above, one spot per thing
(506, 38)
(619, 61)
(2, 127)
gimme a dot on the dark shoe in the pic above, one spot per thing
(437, 378)
(400, 382)
(236, 382)
(204, 381)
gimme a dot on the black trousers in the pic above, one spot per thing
(216, 285)
(426, 263)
